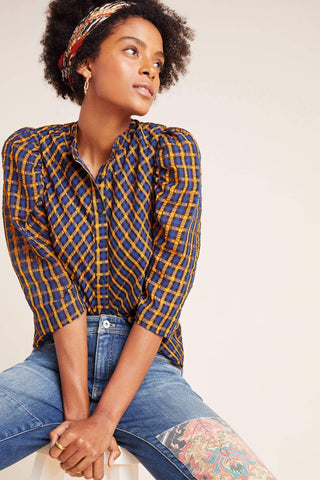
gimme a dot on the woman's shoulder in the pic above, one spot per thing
(172, 141)
(22, 149)
(159, 129)
(165, 135)
(29, 135)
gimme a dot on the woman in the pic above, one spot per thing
(102, 221)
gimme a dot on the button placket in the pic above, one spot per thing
(101, 231)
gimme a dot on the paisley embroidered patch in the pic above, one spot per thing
(211, 450)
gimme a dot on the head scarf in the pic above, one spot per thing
(85, 27)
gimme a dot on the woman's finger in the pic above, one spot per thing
(114, 452)
(73, 462)
(58, 431)
(74, 472)
(88, 472)
(98, 468)
(58, 449)
(55, 451)
(67, 453)
(61, 448)
(53, 439)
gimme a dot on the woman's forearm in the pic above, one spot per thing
(90, 437)
(72, 352)
(134, 362)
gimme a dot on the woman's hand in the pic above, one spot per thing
(84, 442)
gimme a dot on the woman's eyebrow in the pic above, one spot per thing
(141, 43)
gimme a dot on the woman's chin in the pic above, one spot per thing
(141, 112)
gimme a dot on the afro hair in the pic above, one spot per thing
(63, 17)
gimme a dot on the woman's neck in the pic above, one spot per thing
(98, 130)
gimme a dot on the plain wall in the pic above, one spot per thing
(251, 321)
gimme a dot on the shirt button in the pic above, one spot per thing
(103, 243)
(100, 209)
(103, 280)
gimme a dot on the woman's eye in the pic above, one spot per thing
(159, 65)
(131, 50)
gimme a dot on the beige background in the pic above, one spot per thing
(251, 322)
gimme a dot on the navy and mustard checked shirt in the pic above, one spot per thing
(125, 243)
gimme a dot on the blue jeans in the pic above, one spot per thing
(167, 426)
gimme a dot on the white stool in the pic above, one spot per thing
(126, 467)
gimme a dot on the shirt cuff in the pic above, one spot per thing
(52, 315)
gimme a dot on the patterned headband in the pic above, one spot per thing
(89, 23)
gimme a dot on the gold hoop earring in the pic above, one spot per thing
(86, 86)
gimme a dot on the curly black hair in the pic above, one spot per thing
(63, 17)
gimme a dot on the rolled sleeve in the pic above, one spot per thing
(48, 289)
(176, 232)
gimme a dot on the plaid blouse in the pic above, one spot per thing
(125, 243)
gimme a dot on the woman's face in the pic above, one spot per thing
(125, 75)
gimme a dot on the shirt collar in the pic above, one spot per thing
(121, 143)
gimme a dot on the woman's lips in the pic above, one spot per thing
(145, 90)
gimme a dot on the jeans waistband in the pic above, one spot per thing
(110, 324)
(106, 323)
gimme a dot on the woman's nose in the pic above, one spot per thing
(147, 69)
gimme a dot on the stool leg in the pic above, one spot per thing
(37, 467)
(122, 472)
(111, 473)
(134, 472)
(46, 468)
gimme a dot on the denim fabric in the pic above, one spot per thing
(167, 426)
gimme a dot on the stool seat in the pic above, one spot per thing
(126, 467)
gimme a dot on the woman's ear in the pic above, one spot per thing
(84, 68)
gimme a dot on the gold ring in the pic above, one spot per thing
(61, 447)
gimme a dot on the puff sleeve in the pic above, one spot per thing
(49, 291)
(176, 232)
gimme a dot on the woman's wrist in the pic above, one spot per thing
(76, 407)
(77, 412)
(106, 419)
